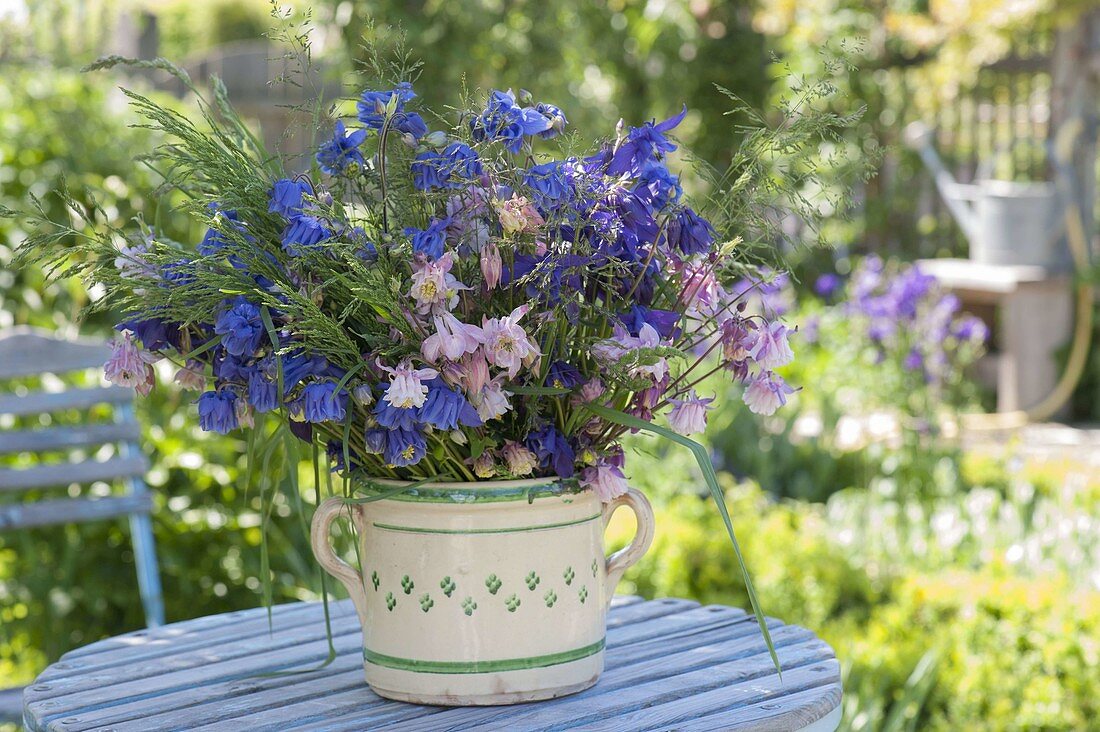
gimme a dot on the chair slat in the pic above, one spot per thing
(56, 438)
(72, 511)
(30, 351)
(15, 479)
(42, 402)
(11, 705)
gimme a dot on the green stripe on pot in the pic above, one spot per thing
(506, 530)
(481, 667)
(482, 495)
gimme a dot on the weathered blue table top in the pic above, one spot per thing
(671, 665)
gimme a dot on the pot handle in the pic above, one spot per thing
(626, 557)
(321, 543)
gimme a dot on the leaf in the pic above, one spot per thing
(703, 458)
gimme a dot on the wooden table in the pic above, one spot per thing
(671, 664)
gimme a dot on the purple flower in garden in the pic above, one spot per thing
(404, 447)
(562, 375)
(644, 144)
(606, 479)
(430, 241)
(372, 110)
(446, 408)
(375, 440)
(552, 449)
(155, 334)
(519, 459)
(914, 361)
(491, 400)
(322, 403)
(503, 119)
(178, 273)
(827, 285)
(689, 415)
(393, 417)
(214, 240)
(298, 365)
(492, 265)
(407, 387)
(452, 339)
(766, 393)
(240, 326)
(690, 233)
(286, 197)
(303, 233)
(549, 183)
(262, 392)
(658, 185)
(130, 366)
(556, 117)
(970, 328)
(218, 411)
(662, 321)
(336, 154)
(506, 343)
(771, 349)
(455, 166)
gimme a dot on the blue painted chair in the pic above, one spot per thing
(105, 453)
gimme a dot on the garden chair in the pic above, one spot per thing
(29, 353)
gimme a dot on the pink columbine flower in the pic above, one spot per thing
(592, 390)
(434, 288)
(737, 338)
(606, 479)
(699, 288)
(689, 415)
(474, 372)
(191, 376)
(491, 265)
(519, 459)
(771, 349)
(485, 465)
(452, 339)
(518, 214)
(506, 343)
(405, 389)
(766, 393)
(131, 262)
(130, 365)
(492, 401)
(243, 411)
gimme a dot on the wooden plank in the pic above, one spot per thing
(72, 510)
(170, 640)
(57, 438)
(89, 471)
(30, 352)
(789, 712)
(41, 402)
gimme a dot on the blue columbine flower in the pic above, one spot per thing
(230, 368)
(562, 375)
(372, 110)
(452, 168)
(261, 391)
(690, 233)
(391, 417)
(552, 449)
(376, 440)
(446, 408)
(335, 155)
(404, 447)
(550, 183)
(662, 321)
(644, 144)
(430, 241)
(556, 117)
(240, 327)
(304, 232)
(503, 119)
(217, 411)
(285, 197)
(214, 240)
(658, 186)
(827, 285)
(322, 403)
(156, 334)
(297, 365)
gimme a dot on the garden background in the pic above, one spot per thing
(956, 575)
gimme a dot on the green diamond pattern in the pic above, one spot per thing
(374, 580)
(583, 594)
(512, 603)
(493, 583)
(426, 602)
(468, 606)
(569, 575)
(391, 601)
(447, 585)
(532, 580)
(407, 584)
(550, 598)
(595, 567)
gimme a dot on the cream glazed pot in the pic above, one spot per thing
(482, 593)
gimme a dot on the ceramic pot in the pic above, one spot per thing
(482, 593)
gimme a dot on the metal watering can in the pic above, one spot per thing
(1005, 222)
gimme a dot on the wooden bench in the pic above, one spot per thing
(1030, 313)
(671, 664)
(29, 354)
